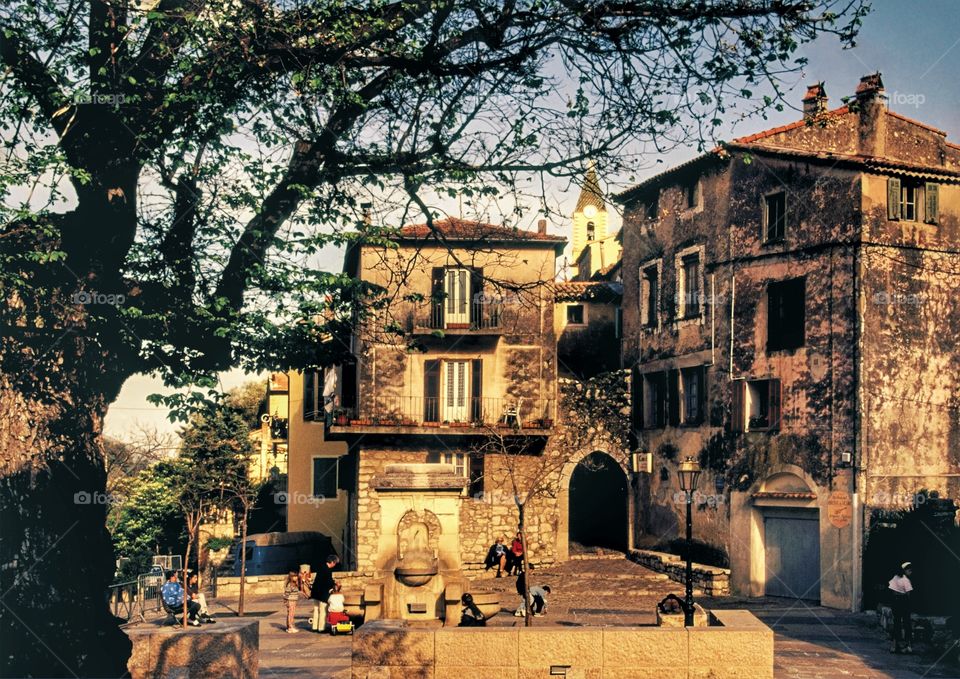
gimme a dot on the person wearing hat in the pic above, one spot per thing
(901, 587)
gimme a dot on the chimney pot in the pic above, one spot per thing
(542, 227)
(870, 87)
(814, 101)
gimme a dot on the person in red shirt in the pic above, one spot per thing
(516, 554)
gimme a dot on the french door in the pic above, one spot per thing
(455, 391)
(456, 286)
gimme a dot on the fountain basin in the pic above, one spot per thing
(487, 602)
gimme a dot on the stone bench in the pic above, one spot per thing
(736, 646)
(229, 649)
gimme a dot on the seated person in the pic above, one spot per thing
(172, 594)
(193, 589)
(497, 556)
(336, 607)
(471, 615)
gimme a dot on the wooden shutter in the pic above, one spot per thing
(348, 386)
(309, 396)
(476, 390)
(701, 394)
(673, 397)
(437, 296)
(737, 416)
(347, 473)
(893, 198)
(431, 391)
(932, 193)
(477, 300)
(636, 399)
(774, 395)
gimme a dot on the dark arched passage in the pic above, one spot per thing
(598, 503)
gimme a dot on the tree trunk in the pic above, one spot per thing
(243, 557)
(527, 603)
(186, 564)
(56, 557)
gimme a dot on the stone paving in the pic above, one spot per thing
(811, 642)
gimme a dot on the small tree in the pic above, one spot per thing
(215, 454)
(243, 493)
(530, 472)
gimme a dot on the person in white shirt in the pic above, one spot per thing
(336, 607)
(900, 588)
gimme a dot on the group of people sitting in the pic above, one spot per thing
(173, 595)
(507, 560)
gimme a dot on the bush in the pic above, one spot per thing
(700, 552)
(219, 543)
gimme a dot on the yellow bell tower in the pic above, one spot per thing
(590, 215)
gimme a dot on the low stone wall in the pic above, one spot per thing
(711, 580)
(229, 649)
(738, 646)
(229, 586)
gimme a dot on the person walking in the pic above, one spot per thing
(291, 595)
(901, 588)
(323, 584)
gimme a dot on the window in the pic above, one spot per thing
(475, 463)
(693, 395)
(756, 405)
(312, 397)
(908, 202)
(774, 217)
(932, 213)
(325, 476)
(655, 400)
(456, 289)
(652, 207)
(459, 462)
(591, 231)
(691, 194)
(574, 314)
(905, 200)
(650, 296)
(786, 314)
(455, 391)
(690, 286)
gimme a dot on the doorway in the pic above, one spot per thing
(598, 509)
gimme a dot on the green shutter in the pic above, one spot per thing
(893, 198)
(932, 192)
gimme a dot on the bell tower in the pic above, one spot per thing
(590, 215)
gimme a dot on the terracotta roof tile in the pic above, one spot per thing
(786, 128)
(587, 291)
(461, 229)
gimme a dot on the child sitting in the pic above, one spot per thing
(336, 606)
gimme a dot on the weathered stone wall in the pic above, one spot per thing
(710, 580)
(230, 649)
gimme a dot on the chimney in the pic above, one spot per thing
(871, 106)
(542, 227)
(814, 101)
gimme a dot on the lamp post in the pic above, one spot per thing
(689, 475)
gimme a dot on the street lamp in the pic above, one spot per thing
(689, 475)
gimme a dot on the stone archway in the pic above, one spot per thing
(598, 506)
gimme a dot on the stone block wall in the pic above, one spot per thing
(229, 649)
(736, 646)
(710, 580)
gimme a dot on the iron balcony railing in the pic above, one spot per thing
(475, 315)
(468, 412)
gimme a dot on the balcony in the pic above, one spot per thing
(477, 317)
(436, 416)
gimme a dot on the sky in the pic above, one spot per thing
(914, 44)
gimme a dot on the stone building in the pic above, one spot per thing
(458, 367)
(791, 309)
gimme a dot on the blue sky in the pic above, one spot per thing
(915, 44)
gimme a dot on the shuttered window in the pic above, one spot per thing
(673, 398)
(932, 193)
(738, 417)
(893, 198)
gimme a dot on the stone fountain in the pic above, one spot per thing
(419, 575)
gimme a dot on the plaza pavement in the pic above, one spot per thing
(811, 642)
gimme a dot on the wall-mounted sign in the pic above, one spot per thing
(839, 509)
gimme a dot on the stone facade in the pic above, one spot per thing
(231, 649)
(787, 326)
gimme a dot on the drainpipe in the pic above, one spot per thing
(733, 304)
(713, 318)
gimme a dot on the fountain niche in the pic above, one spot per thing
(419, 575)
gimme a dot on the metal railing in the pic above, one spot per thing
(470, 412)
(483, 315)
(132, 600)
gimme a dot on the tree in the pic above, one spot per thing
(172, 167)
(146, 519)
(217, 450)
(124, 459)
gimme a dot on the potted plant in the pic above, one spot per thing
(340, 417)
